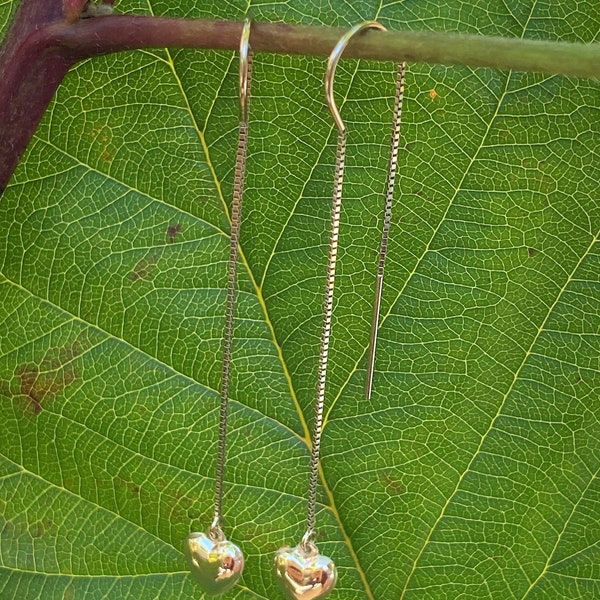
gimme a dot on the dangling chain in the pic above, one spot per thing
(236, 220)
(387, 218)
(325, 336)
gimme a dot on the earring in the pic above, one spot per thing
(215, 562)
(387, 218)
(301, 571)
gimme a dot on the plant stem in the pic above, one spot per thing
(30, 73)
(103, 35)
(42, 45)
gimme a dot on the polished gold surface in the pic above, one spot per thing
(215, 563)
(303, 573)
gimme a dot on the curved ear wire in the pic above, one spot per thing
(245, 71)
(336, 210)
(391, 176)
(302, 571)
(215, 562)
(387, 218)
(334, 58)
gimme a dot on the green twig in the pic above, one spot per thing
(103, 35)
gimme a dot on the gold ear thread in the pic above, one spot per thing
(215, 562)
(302, 572)
(387, 218)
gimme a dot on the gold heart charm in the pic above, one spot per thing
(303, 573)
(215, 562)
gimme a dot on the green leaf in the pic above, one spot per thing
(472, 472)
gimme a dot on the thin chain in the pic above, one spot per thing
(387, 218)
(325, 336)
(236, 221)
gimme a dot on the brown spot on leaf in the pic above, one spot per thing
(40, 383)
(106, 156)
(130, 487)
(531, 251)
(70, 351)
(528, 162)
(433, 94)
(28, 375)
(172, 231)
(144, 268)
(37, 529)
(392, 485)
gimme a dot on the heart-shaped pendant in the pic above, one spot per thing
(303, 573)
(215, 562)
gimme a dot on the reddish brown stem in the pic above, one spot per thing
(31, 69)
(42, 45)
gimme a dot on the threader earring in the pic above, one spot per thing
(387, 218)
(215, 562)
(301, 571)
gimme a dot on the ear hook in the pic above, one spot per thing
(318, 574)
(334, 58)
(215, 562)
(336, 210)
(244, 68)
(236, 222)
